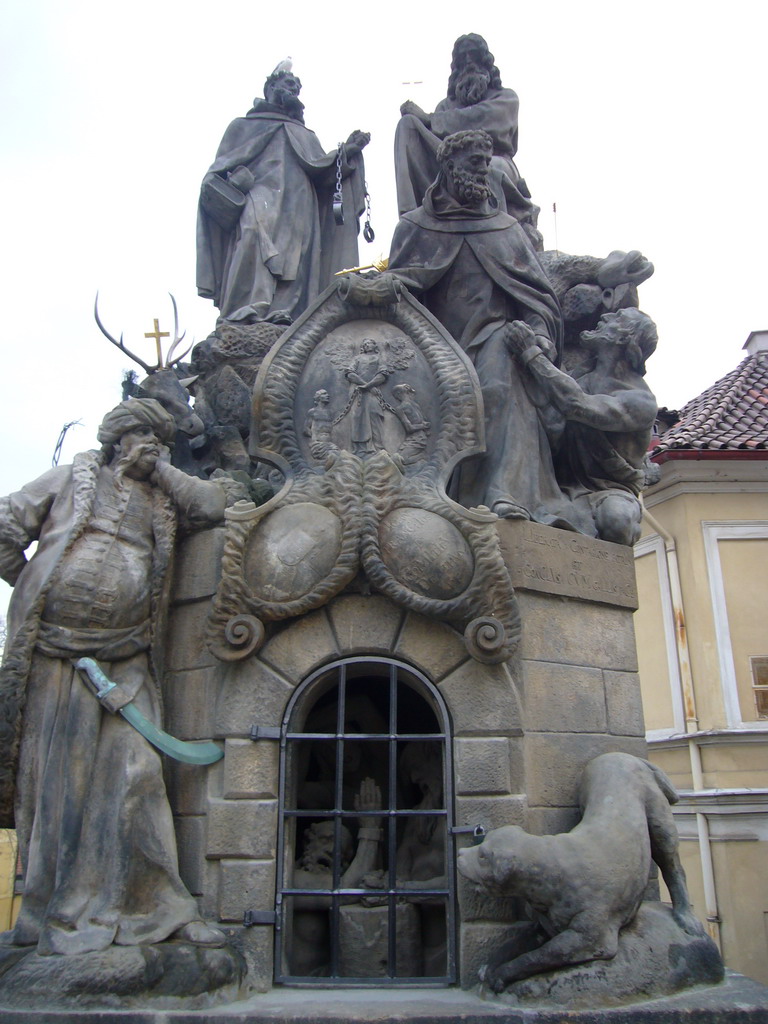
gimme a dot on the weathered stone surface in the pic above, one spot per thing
(548, 821)
(655, 958)
(737, 1000)
(517, 763)
(562, 698)
(555, 762)
(177, 973)
(302, 644)
(477, 905)
(491, 811)
(477, 944)
(190, 699)
(185, 639)
(431, 645)
(586, 634)
(365, 625)
(426, 553)
(553, 561)
(197, 566)
(482, 766)
(624, 702)
(291, 551)
(242, 828)
(483, 700)
(245, 885)
(190, 839)
(208, 900)
(256, 945)
(250, 693)
(187, 786)
(250, 769)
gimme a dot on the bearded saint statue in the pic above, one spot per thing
(268, 242)
(476, 99)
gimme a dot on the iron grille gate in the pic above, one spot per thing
(365, 783)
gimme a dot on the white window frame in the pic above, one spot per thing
(654, 545)
(713, 533)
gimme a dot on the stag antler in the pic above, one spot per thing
(177, 340)
(145, 366)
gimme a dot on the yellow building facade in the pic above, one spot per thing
(702, 634)
(9, 901)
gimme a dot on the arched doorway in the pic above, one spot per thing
(365, 866)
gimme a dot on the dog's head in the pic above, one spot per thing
(492, 864)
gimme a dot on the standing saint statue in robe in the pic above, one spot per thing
(268, 242)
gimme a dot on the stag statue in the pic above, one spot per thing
(164, 383)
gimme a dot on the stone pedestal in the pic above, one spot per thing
(736, 1001)
(522, 731)
(521, 734)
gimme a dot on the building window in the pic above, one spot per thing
(365, 887)
(759, 666)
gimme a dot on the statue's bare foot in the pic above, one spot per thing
(200, 934)
(510, 510)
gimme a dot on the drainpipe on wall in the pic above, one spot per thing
(691, 721)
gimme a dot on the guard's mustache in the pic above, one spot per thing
(125, 462)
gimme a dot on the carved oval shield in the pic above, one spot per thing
(291, 551)
(426, 553)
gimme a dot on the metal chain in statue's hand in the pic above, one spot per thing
(368, 232)
(338, 199)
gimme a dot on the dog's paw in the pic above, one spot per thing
(497, 985)
(492, 979)
(690, 924)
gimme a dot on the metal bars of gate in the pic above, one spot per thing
(287, 893)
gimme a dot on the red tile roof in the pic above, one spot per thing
(732, 415)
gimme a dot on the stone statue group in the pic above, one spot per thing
(568, 415)
(567, 422)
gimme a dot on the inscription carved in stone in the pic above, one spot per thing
(559, 562)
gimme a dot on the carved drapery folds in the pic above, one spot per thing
(365, 405)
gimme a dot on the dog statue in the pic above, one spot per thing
(582, 887)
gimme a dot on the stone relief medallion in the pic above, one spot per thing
(426, 553)
(291, 551)
(365, 405)
(370, 389)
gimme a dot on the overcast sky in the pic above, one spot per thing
(644, 122)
